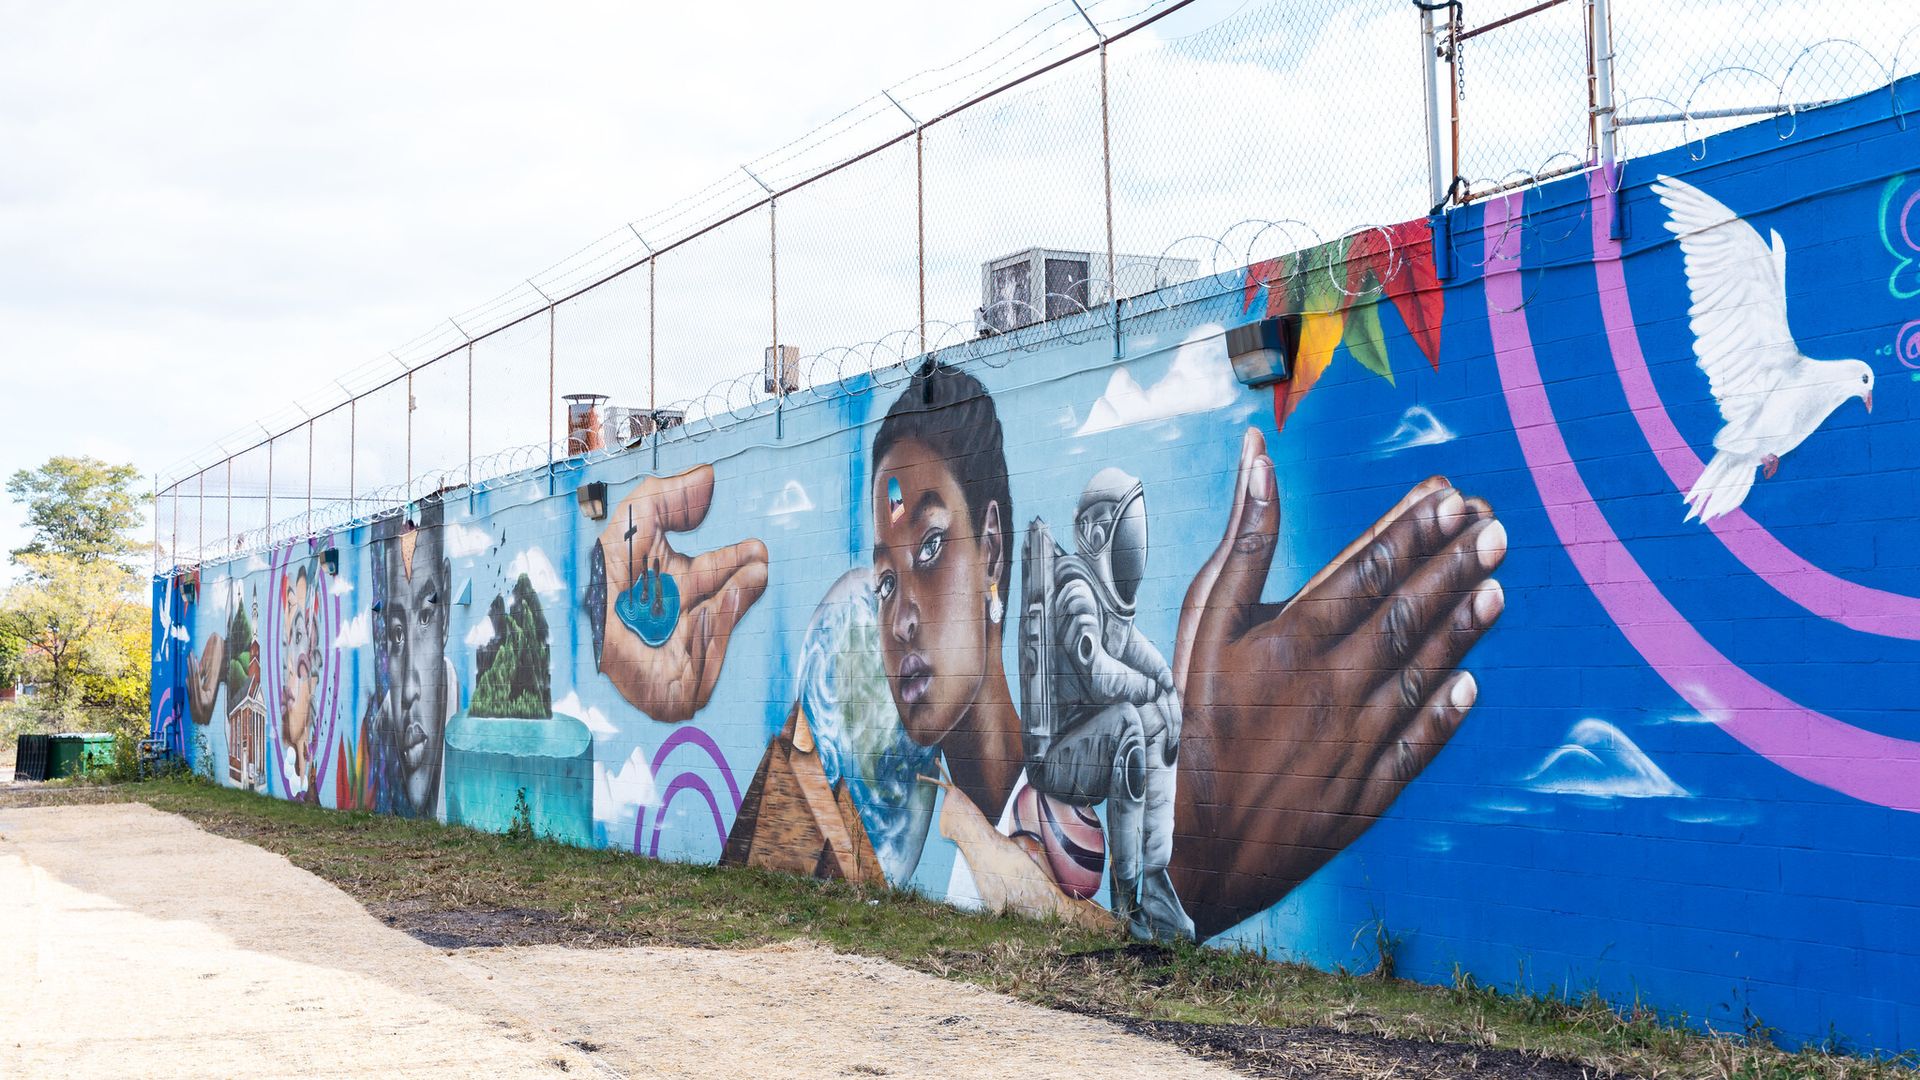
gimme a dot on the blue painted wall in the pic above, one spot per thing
(1681, 769)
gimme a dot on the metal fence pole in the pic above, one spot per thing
(200, 527)
(309, 476)
(353, 451)
(1602, 39)
(469, 419)
(176, 523)
(406, 486)
(919, 209)
(773, 271)
(228, 538)
(653, 358)
(1106, 179)
(1430, 53)
(268, 517)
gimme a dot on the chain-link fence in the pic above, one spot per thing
(1105, 156)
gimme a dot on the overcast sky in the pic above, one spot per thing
(208, 209)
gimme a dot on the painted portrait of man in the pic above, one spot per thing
(414, 682)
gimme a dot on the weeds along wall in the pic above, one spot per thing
(1557, 621)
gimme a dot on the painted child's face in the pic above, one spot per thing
(932, 574)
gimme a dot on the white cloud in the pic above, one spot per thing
(793, 499)
(1417, 427)
(357, 633)
(464, 541)
(340, 587)
(1199, 379)
(539, 570)
(480, 633)
(590, 715)
(1599, 760)
(615, 790)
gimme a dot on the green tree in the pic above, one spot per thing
(79, 507)
(83, 629)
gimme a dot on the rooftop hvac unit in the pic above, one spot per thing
(625, 426)
(1047, 283)
(784, 377)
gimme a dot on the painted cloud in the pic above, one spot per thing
(1599, 760)
(1199, 379)
(1418, 427)
(357, 633)
(464, 541)
(539, 570)
(793, 499)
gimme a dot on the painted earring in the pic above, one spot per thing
(995, 609)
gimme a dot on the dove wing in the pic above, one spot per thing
(1739, 291)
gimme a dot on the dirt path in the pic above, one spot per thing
(138, 945)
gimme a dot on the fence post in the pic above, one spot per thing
(406, 484)
(267, 518)
(1430, 54)
(353, 452)
(919, 210)
(309, 475)
(1106, 178)
(228, 538)
(773, 270)
(1600, 11)
(469, 420)
(176, 524)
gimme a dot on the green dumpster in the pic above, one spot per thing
(73, 753)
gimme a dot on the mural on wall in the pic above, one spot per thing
(1771, 395)
(661, 620)
(510, 755)
(1130, 643)
(415, 690)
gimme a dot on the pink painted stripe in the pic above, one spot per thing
(1809, 744)
(1834, 598)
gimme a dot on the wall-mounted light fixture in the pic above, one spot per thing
(1262, 352)
(189, 591)
(593, 500)
(330, 561)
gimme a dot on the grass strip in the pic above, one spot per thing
(452, 885)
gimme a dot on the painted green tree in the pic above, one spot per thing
(515, 676)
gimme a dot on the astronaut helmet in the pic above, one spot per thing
(1110, 535)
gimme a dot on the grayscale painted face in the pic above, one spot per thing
(413, 636)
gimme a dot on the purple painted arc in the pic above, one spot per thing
(1868, 766)
(1834, 598)
(691, 782)
(689, 734)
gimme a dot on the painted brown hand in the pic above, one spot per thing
(674, 679)
(204, 675)
(1304, 720)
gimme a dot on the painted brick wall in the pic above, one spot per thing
(1430, 637)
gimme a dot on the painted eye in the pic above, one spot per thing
(930, 548)
(1863, 380)
(883, 588)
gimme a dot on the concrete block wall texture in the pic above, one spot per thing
(1431, 636)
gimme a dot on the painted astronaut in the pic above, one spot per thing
(1101, 717)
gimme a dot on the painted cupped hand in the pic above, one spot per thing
(674, 679)
(1305, 719)
(204, 675)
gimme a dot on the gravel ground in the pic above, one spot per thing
(139, 945)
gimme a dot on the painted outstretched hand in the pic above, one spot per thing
(675, 679)
(1304, 720)
(204, 676)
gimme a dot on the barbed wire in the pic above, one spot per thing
(600, 299)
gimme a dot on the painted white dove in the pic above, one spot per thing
(1771, 395)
